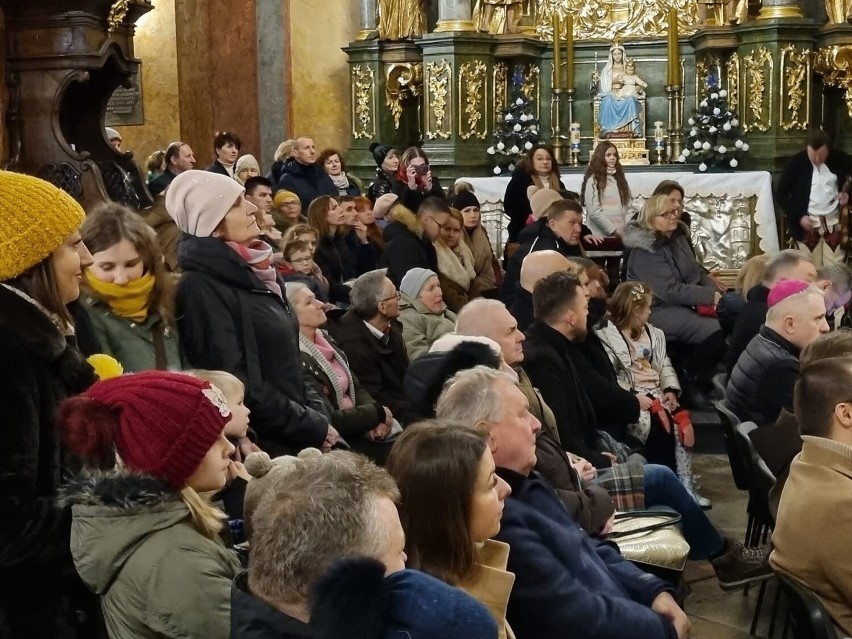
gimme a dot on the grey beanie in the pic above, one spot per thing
(414, 280)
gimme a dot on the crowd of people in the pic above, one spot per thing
(294, 406)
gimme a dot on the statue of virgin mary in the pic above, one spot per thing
(619, 113)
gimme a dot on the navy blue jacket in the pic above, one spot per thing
(566, 583)
(308, 181)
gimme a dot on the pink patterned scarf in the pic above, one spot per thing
(258, 255)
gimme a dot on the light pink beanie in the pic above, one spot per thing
(199, 200)
(541, 199)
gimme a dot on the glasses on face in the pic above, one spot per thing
(669, 215)
(439, 225)
(395, 296)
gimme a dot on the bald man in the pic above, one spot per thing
(303, 176)
(536, 266)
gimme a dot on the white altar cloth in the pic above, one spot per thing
(643, 183)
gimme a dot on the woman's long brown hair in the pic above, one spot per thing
(597, 171)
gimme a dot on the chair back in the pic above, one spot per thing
(720, 382)
(739, 466)
(806, 615)
(761, 479)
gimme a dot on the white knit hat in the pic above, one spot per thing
(199, 200)
(414, 280)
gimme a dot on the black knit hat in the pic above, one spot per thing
(464, 199)
(380, 152)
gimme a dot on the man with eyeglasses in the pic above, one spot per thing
(178, 158)
(371, 336)
(409, 237)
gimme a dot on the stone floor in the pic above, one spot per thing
(716, 614)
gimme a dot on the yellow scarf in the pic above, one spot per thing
(126, 300)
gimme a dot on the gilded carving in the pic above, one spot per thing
(472, 80)
(834, 64)
(758, 76)
(499, 86)
(531, 87)
(117, 14)
(438, 83)
(363, 107)
(611, 19)
(839, 11)
(796, 88)
(732, 68)
(701, 71)
(403, 80)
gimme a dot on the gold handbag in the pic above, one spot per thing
(651, 538)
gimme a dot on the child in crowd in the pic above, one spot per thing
(129, 297)
(605, 194)
(638, 353)
(298, 265)
(145, 536)
(237, 432)
(305, 233)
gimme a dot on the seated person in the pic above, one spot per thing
(408, 237)
(345, 505)
(535, 267)
(422, 311)
(297, 265)
(371, 337)
(785, 265)
(761, 383)
(564, 579)
(814, 515)
(835, 281)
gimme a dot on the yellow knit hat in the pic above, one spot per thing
(285, 196)
(35, 219)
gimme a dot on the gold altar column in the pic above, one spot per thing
(556, 95)
(569, 65)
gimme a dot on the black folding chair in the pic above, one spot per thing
(806, 616)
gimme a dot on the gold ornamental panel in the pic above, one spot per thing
(499, 88)
(438, 95)
(473, 111)
(403, 81)
(702, 68)
(795, 103)
(732, 69)
(117, 14)
(531, 87)
(363, 102)
(757, 111)
(834, 64)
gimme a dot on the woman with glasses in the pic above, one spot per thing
(456, 270)
(685, 296)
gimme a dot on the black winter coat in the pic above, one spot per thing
(404, 250)
(161, 182)
(762, 382)
(751, 317)
(218, 167)
(794, 186)
(535, 237)
(522, 308)
(339, 259)
(308, 181)
(382, 185)
(228, 320)
(379, 367)
(39, 367)
(516, 204)
(548, 362)
(413, 198)
(252, 618)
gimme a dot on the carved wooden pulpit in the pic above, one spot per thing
(64, 61)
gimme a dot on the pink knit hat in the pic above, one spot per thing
(784, 289)
(541, 199)
(384, 204)
(199, 200)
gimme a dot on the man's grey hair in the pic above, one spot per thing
(839, 275)
(790, 305)
(367, 293)
(781, 261)
(474, 318)
(471, 397)
(324, 509)
(291, 289)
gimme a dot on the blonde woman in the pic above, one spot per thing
(456, 271)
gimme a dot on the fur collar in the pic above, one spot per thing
(118, 488)
(637, 236)
(27, 322)
(408, 219)
(456, 265)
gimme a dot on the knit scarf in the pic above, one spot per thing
(258, 255)
(324, 361)
(130, 300)
(457, 265)
(341, 182)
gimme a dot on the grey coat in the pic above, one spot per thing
(678, 283)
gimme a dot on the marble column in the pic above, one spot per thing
(454, 15)
(368, 20)
(272, 33)
(772, 9)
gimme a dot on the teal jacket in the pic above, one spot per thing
(133, 344)
(135, 545)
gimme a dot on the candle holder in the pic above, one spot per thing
(674, 96)
(659, 140)
(574, 139)
(556, 137)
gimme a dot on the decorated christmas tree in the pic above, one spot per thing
(714, 137)
(517, 130)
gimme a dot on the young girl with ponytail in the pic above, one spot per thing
(144, 534)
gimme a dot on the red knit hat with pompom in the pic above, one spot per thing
(161, 424)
